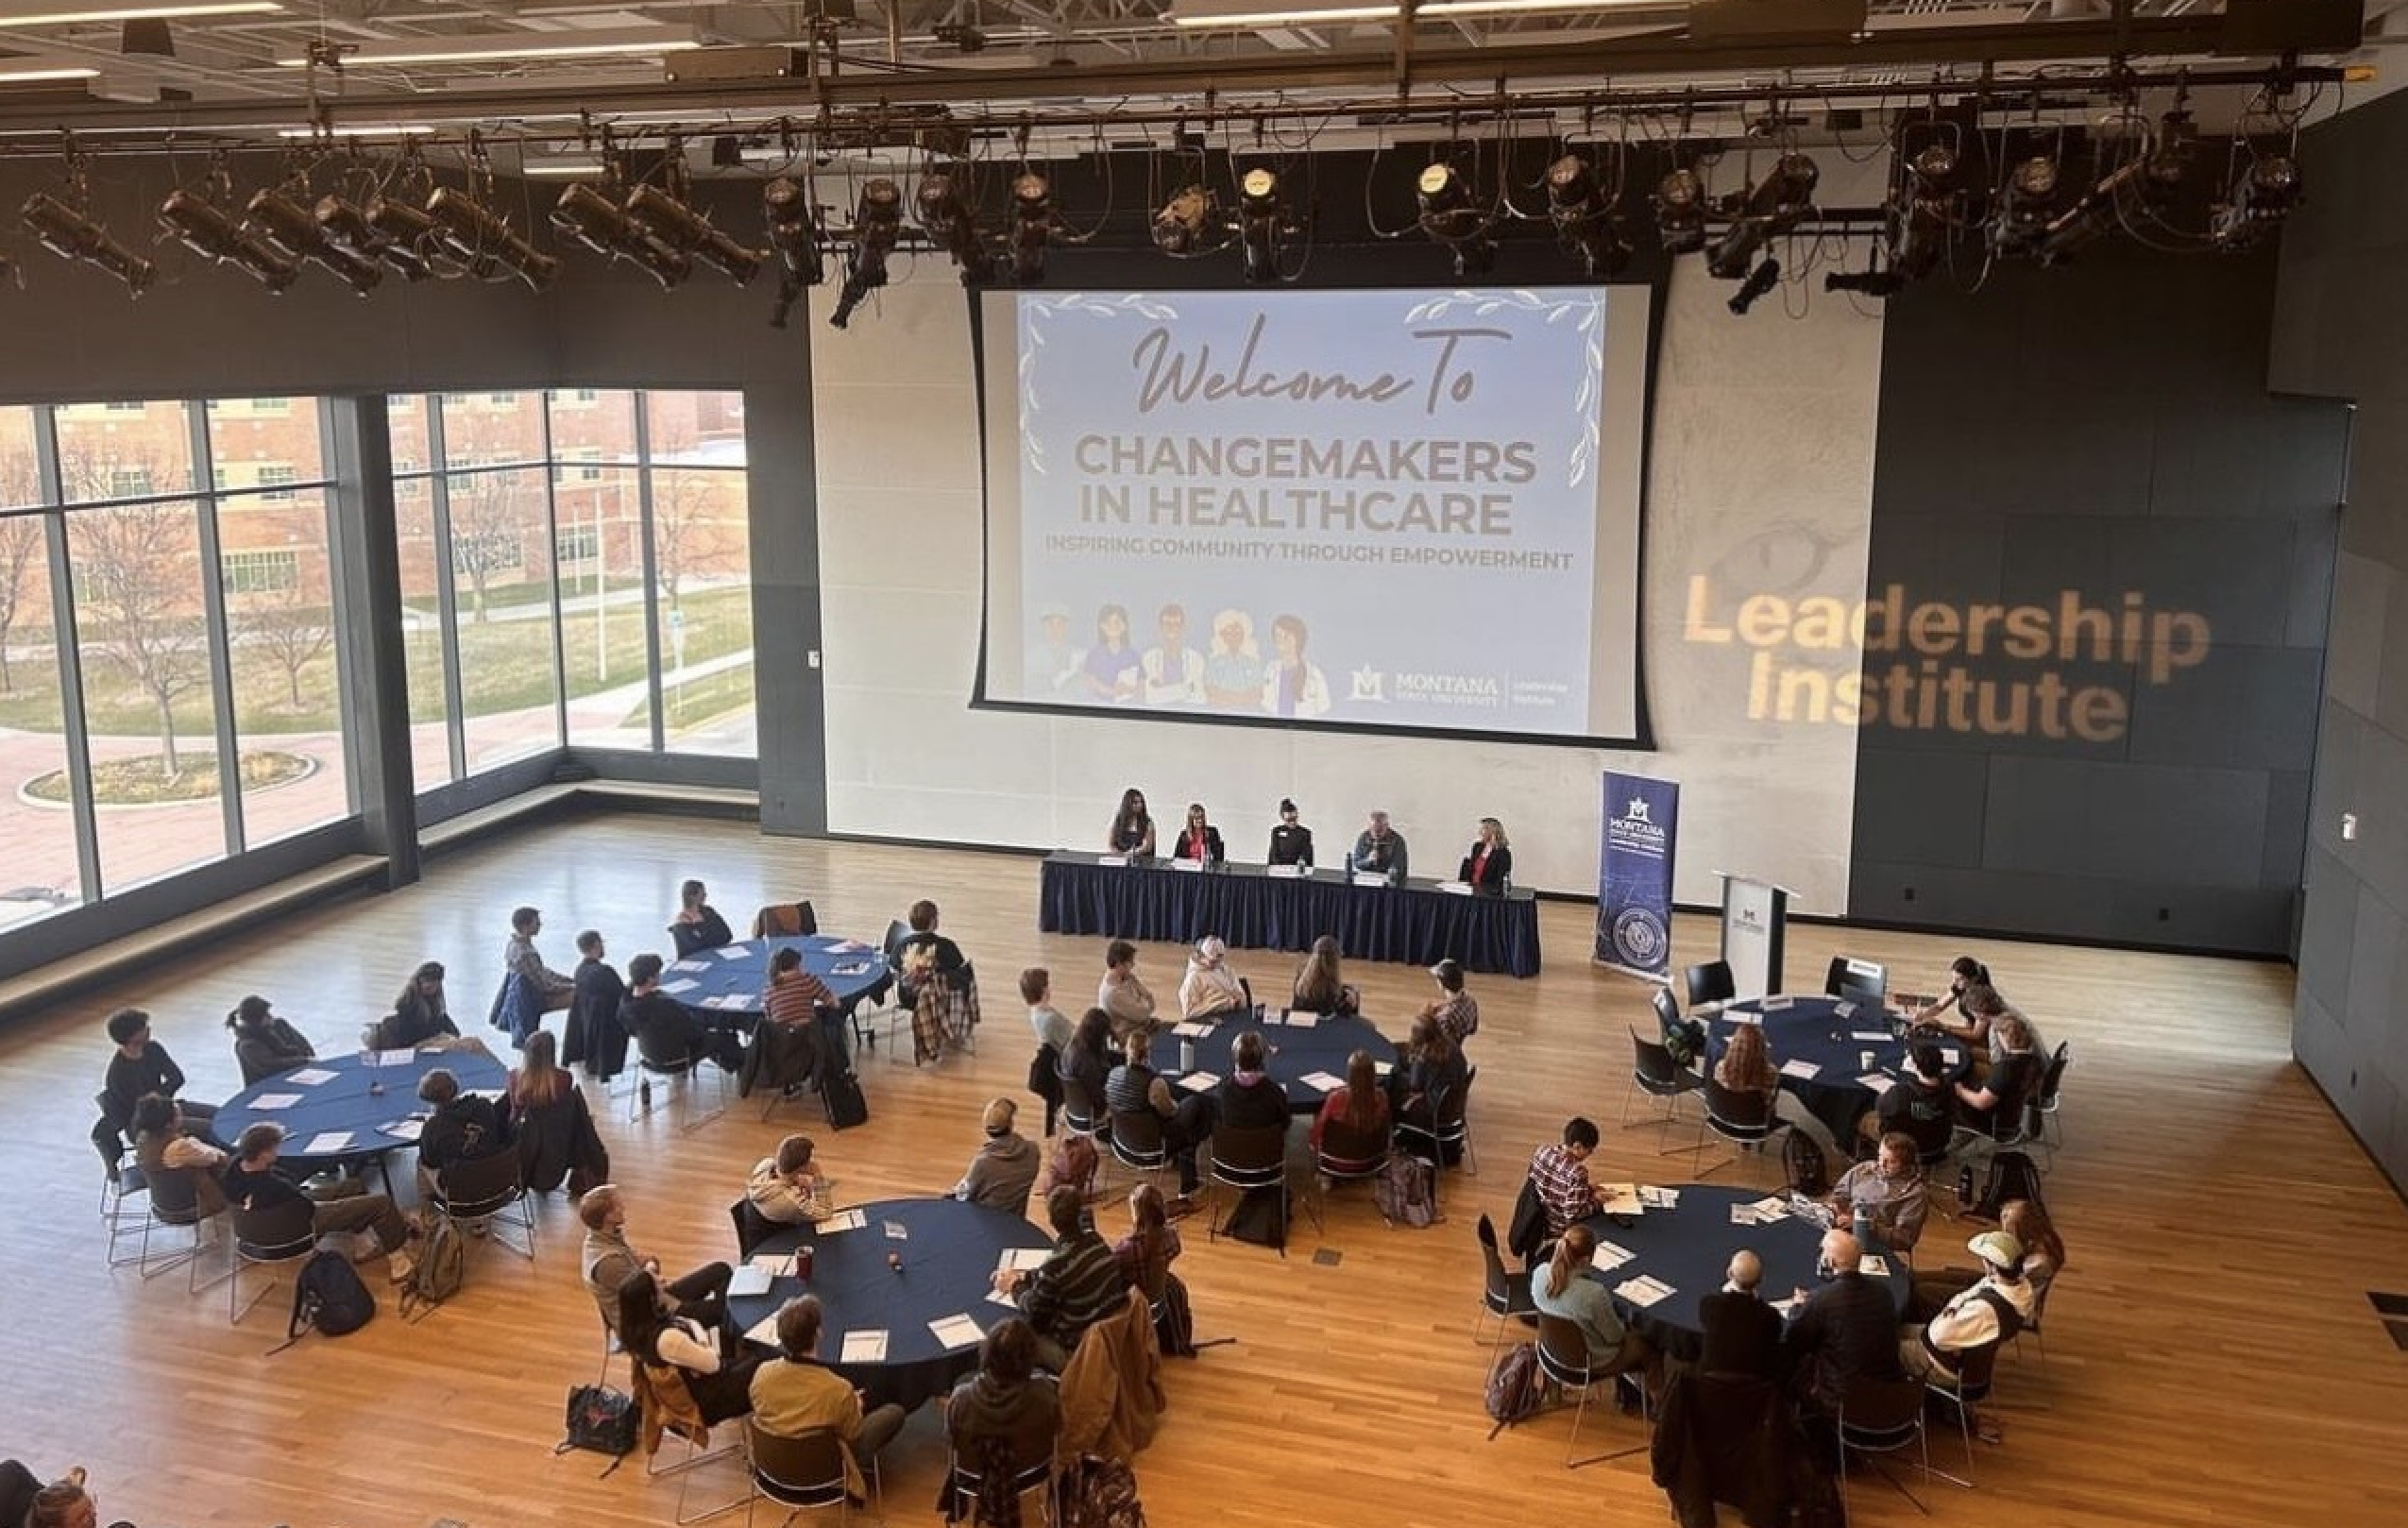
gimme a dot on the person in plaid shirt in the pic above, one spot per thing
(1561, 1172)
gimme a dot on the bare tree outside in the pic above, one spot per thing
(290, 625)
(487, 526)
(135, 569)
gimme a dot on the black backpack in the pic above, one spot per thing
(329, 1297)
(1802, 1161)
(841, 1092)
(1526, 1233)
(2011, 1177)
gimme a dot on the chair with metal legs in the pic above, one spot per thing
(1563, 1357)
(1744, 1119)
(1882, 1416)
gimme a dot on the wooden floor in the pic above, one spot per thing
(2212, 1356)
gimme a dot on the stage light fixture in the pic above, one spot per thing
(1583, 214)
(1266, 225)
(675, 225)
(594, 218)
(2025, 204)
(1680, 212)
(1178, 228)
(1451, 215)
(283, 221)
(785, 210)
(196, 222)
(1760, 280)
(483, 241)
(71, 233)
(942, 208)
(2261, 196)
(1776, 204)
(1033, 225)
(346, 225)
(1441, 191)
(877, 222)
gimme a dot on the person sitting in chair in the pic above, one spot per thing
(1743, 1333)
(1360, 1108)
(668, 1034)
(593, 1034)
(465, 1126)
(717, 1369)
(1005, 1169)
(1210, 988)
(263, 1044)
(1320, 985)
(608, 1262)
(421, 1015)
(794, 1394)
(1122, 995)
(1561, 1172)
(545, 988)
(1135, 1088)
(1453, 1011)
(161, 1144)
(790, 1188)
(253, 1184)
(1565, 1290)
(1885, 1195)
(140, 1068)
(1005, 1413)
(1077, 1286)
(698, 925)
(1991, 1312)
(1248, 1098)
(1844, 1332)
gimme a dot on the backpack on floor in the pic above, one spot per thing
(1098, 1492)
(2011, 1177)
(1804, 1164)
(1515, 1386)
(841, 1092)
(441, 1266)
(329, 1297)
(1406, 1191)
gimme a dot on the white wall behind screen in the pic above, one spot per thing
(1760, 477)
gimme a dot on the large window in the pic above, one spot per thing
(599, 567)
(114, 726)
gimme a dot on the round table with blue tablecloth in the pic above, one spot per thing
(1299, 1044)
(370, 1098)
(726, 984)
(1689, 1246)
(1850, 1046)
(949, 1252)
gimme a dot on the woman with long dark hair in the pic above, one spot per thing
(718, 1371)
(557, 1142)
(263, 1044)
(1321, 986)
(1359, 1109)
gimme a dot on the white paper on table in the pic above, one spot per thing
(1869, 1037)
(1736, 1016)
(1364, 877)
(748, 1279)
(1620, 1200)
(1190, 865)
(848, 946)
(1877, 1081)
(683, 984)
(1191, 1030)
(1743, 1214)
(1023, 1258)
(309, 1077)
(1643, 1292)
(866, 1346)
(273, 1101)
(327, 1144)
(404, 1130)
(957, 1330)
(1455, 888)
(1769, 1208)
(1322, 1082)
(1111, 859)
(1275, 1018)
(1200, 1081)
(896, 1230)
(1787, 1307)
(742, 1001)
(763, 1331)
(1382, 1068)
(844, 1220)
(1776, 1002)
(1845, 1010)
(774, 1264)
(1282, 872)
(1660, 1199)
(691, 965)
(1302, 1021)
(732, 952)
(1800, 1069)
(1611, 1255)
(1951, 1057)
(996, 1297)
(1875, 1265)
(395, 1058)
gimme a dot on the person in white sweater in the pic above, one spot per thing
(790, 1188)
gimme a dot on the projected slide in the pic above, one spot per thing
(1398, 509)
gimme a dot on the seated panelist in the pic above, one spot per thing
(1291, 842)
(1200, 840)
(1490, 861)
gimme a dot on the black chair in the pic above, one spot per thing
(1349, 1156)
(488, 1190)
(2046, 1096)
(1507, 1295)
(1563, 1357)
(1710, 982)
(681, 1075)
(1246, 1160)
(963, 1481)
(1744, 1119)
(1974, 1367)
(1136, 1139)
(1448, 1133)
(264, 1238)
(174, 1200)
(1655, 1074)
(751, 1227)
(1877, 1418)
(801, 1473)
(1080, 1114)
(1856, 981)
(900, 996)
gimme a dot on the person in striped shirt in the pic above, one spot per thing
(1073, 1289)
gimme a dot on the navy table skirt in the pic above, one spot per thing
(345, 1103)
(949, 1252)
(1251, 909)
(1296, 1051)
(1690, 1247)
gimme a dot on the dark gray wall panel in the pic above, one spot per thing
(1938, 801)
(2260, 716)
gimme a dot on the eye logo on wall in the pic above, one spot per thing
(1916, 669)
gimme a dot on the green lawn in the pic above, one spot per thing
(506, 666)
